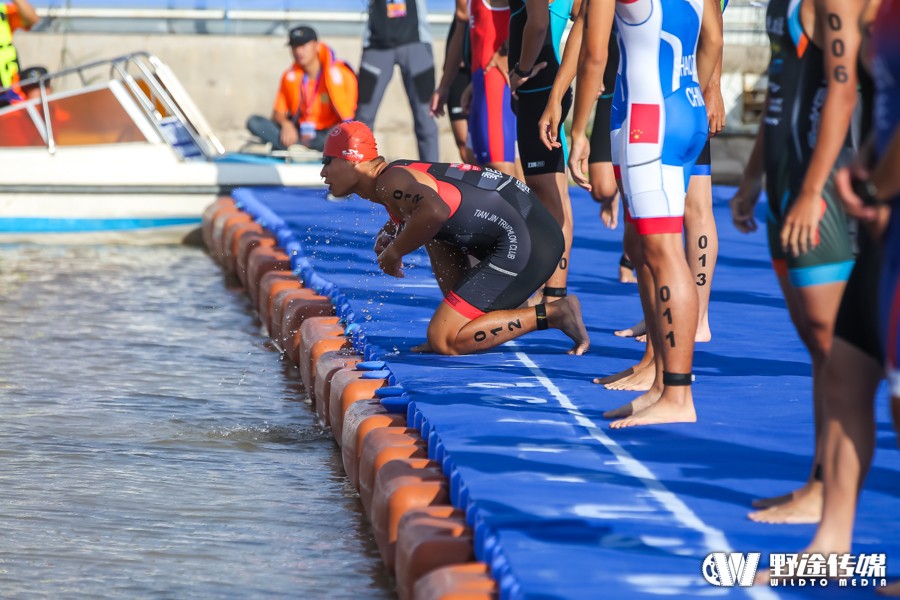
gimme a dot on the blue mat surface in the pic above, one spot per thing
(562, 506)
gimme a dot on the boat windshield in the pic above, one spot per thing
(138, 99)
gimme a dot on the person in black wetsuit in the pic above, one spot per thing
(459, 211)
(800, 145)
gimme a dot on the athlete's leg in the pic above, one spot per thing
(675, 320)
(851, 380)
(451, 332)
(552, 189)
(641, 376)
(375, 71)
(417, 69)
(460, 129)
(701, 243)
(818, 304)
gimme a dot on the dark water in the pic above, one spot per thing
(152, 445)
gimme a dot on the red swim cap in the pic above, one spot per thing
(352, 141)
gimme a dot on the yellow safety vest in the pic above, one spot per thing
(9, 60)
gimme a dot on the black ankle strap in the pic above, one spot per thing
(540, 312)
(552, 292)
(624, 262)
(677, 378)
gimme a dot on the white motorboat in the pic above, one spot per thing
(122, 155)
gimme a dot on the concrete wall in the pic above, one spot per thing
(231, 77)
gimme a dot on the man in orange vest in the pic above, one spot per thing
(317, 92)
(18, 14)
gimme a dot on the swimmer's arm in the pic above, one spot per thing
(454, 54)
(549, 121)
(709, 47)
(569, 65)
(427, 211)
(26, 13)
(533, 35)
(592, 61)
(837, 20)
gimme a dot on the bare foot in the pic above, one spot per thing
(640, 381)
(626, 270)
(703, 332)
(568, 319)
(635, 406)
(668, 409)
(804, 507)
(773, 501)
(633, 331)
(626, 275)
(613, 377)
(641, 338)
(422, 348)
(890, 590)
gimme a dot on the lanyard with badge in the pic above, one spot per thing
(308, 127)
(396, 9)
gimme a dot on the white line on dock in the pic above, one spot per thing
(714, 538)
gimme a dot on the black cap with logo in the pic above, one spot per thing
(301, 35)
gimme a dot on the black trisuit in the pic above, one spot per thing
(498, 220)
(797, 90)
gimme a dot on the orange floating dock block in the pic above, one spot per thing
(221, 224)
(291, 309)
(261, 261)
(326, 367)
(239, 241)
(242, 243)
(470, 581)
(270, 284)
(380, 447)
(361, 418)
(221, 204)
(317, 336)
(400, 486)
(427, 539)
(347, 387)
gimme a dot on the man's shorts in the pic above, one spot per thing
(536, 158)
(600, 149)
(832, 259)
(454, 97)
(857, 321)
(492, 124)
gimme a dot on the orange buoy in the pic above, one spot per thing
(361, 418)
(261, 261)
(326, 367)
(223, 221)
(270, 284)
(317, 336)
(469, 581)
(349, 386)
(380, 447)
(292, 308)
(242, 243)
(221, 204)
(429, 538)
(400, 486)
(289, 309)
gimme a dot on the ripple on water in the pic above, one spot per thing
(152, 445)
